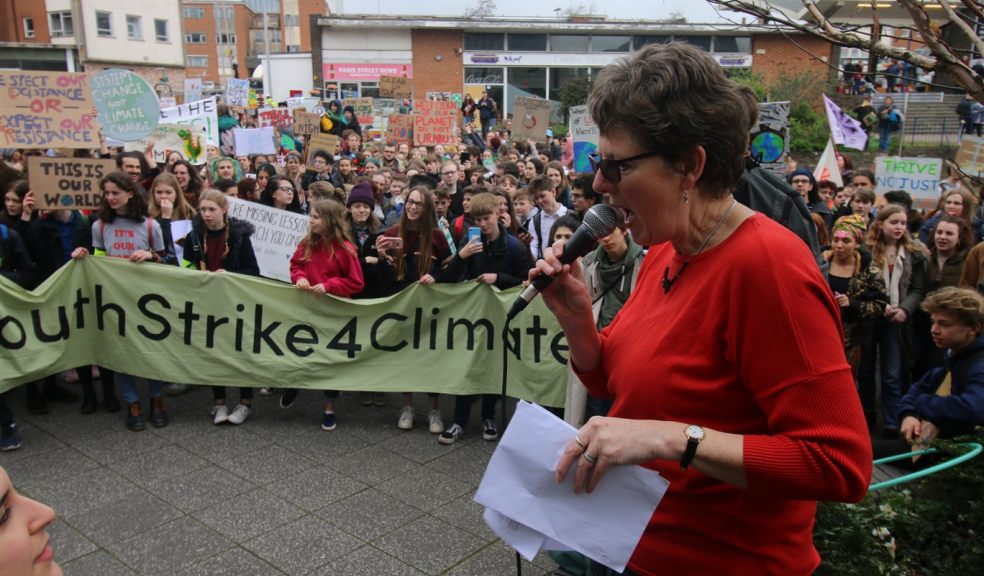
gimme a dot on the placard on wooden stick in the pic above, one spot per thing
(531, 119)
(399, 129)
(67, 183)
(47, 110)
(327, 142)
(435, 122)
(306, 123)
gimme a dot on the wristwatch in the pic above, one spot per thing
(694, 434)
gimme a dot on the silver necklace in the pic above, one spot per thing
(667, 281)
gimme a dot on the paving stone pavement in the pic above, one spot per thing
(273, 496)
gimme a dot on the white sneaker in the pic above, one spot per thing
(406, 419)
(240, 414)
(436, 425)
(220, 414)
(266, 391)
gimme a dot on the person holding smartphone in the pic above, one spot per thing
(415, 250)
(490, 255)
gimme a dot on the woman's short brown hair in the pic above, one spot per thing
(672, 98)
(964, 304)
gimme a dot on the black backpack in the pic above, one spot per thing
(765, 192)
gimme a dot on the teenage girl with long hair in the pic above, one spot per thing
(281, 193)
(902, 262)
(123, 230)
(218, 243)
(325, 262)
(190, 179)
(167, 203)
(416, 251)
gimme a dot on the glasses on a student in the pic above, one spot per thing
(285, 188)
(612, 169)
(414, 203)
(800, 181)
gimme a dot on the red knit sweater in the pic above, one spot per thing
(748, 341)
(340, 273)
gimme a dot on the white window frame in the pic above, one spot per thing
(167, 33)
(134, 27)
(29, 30)
(60, 18)
(193, 37)
(194, 13)
(190, 63)
(230, 38)
(107, 32)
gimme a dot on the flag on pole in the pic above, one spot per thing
(827, 167)
(844, 129)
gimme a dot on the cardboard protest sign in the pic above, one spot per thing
(435, 122)
(67, 183)
(399, 128)
(363, 109)
(306, 123)
(188, 140)
(309, 103)
(192, 90)
(395, 87)
(277, 117)
(327, 142)
(127, 104)
(46, 110)
(920, 177)
(254, 141)
(202, 113)
(585, 137)
(531, 118)
(253, 101)
(276, 235)
(237, 92)
(970, 156)
(769, 140)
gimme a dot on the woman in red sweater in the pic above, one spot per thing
(325, 262)
(742, 397)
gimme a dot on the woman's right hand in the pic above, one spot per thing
(567, 296)
(79, 253)
(167, 209)
(303, 284)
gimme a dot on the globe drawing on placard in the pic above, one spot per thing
(768, 146)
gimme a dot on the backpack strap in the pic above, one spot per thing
(150, 233)
(537, 220)
(3, 232)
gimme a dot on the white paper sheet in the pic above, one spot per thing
(254, 141)
(519, 485)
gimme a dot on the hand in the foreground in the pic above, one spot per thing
(606, 442)
(567, 296)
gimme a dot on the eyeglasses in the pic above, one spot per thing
(285, 188)
(612, 169)
(413, 203)
(800, 181)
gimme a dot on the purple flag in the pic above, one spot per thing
(844, 129)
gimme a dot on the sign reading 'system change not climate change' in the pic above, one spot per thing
(127, 105)
(46, 110)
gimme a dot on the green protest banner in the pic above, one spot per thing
(187, 326)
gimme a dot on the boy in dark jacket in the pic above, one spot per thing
(16, 266)
(494, 258)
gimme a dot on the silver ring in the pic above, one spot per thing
(577, 439)
(588, 458)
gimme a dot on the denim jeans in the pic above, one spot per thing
(884, 138)
(128, 387)
(888, 346)
(462, 407)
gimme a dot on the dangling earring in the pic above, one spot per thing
(686, 197)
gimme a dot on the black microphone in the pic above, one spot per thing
(599, 221)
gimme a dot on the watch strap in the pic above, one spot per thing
(689, 453)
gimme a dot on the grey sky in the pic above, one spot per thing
(695, 11)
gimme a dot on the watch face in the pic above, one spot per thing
(695, 432)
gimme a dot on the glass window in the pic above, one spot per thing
(225, 38)
(134, 28)
(526, 82)
(611, 43)
(479, 42)
(194, 13)
(528, 42)
(350, 89)
(483, 75)
(104, 23)
(640, 41)
(28, 27)
(196, 61)
(740, 44)
(195, 38)
(293, 48)
(60, 24)
(698, 41)
(160, 30)
(292, 20)
(370, 90)
(569, 43)
(560, 76)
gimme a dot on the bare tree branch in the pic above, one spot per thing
(959, 23)
(946, 61)
(974, 8)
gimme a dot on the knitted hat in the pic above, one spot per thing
(361, 192)
(349, 109)
(803, 172)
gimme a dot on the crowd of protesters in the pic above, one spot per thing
(385, 215)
